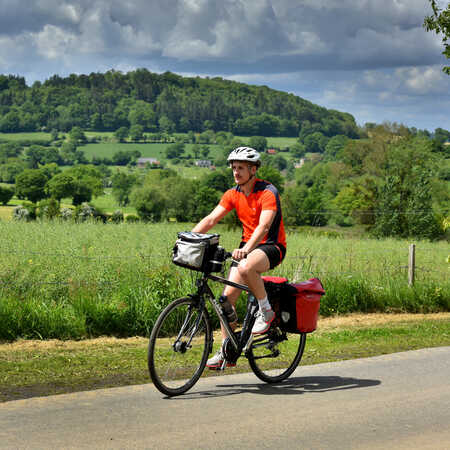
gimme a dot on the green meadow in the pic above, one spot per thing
(72, 281)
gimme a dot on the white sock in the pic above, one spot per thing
(264, 304)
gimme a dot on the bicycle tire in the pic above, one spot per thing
(177, 353)
(272, 368)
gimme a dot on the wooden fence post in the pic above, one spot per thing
(411, 264)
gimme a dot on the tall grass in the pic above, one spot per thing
(64, 280)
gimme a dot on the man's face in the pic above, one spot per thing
(242, 171)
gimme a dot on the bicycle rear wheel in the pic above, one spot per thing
(179, 346)
(274, 356)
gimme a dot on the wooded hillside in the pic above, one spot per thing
(166, 102)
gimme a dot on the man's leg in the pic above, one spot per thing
(232, 293)
(250, 269)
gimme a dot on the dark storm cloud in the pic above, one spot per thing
(264, 35)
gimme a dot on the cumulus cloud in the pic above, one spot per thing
(327, 50)
(299, 33)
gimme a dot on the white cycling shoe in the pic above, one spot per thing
(216, 361)
(263, 320)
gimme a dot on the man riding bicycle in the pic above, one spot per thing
(263, 246)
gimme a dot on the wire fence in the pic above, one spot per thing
(304, 265)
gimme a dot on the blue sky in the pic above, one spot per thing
(371, 58)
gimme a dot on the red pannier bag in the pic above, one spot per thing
(307, 301)
(296, 305)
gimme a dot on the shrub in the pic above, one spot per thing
(48, 209)
(117, 216)
(25, 212)
(67, 213)
(85, 211)
(131, 218)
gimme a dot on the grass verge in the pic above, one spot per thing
(39, 368)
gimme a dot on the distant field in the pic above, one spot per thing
(23, 136)
(281, 142)
(106, 150)
(147, 150)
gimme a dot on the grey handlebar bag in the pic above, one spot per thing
(194, 250)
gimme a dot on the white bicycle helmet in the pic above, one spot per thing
(245, 154)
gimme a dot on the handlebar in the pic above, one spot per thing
(229, 255)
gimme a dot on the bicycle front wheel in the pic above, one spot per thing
(274, 356)
(179, 346)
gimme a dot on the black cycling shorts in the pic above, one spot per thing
(275, 253)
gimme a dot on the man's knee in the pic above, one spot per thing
(244, 268)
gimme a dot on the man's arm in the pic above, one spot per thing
(218, 213)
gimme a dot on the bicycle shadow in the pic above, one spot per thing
(291, 386)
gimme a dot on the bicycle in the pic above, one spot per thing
(182, 339)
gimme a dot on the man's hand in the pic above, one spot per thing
(239, 253)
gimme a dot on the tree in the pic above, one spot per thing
(180, 200)
(220, 180)
(441, 135)
(439, 22)
(298, 150)
(272, 175)
(358, 200)
(175, 150)
(121, 158)
(136, 132)
(142, 114)
(334, 146)
(6, 194)
(205, 151)
(149, 202)
(258, 143)
(10, 122)
(205, 199)
(82, 193)
(77, 136)
(71, 155)
(303, 206)
(122, 183)
(34, 156)
(88, 183)
(61, 186)
(404, 204)
(316, 142)
(121, 134)
(9, 171)
(30, 184)
(166, 125)
(196, 149)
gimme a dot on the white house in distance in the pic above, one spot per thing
(142, 162)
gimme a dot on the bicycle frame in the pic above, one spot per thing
(245, 338)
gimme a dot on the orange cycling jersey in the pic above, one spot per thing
(264, 196)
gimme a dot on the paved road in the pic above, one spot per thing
(399, 401)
